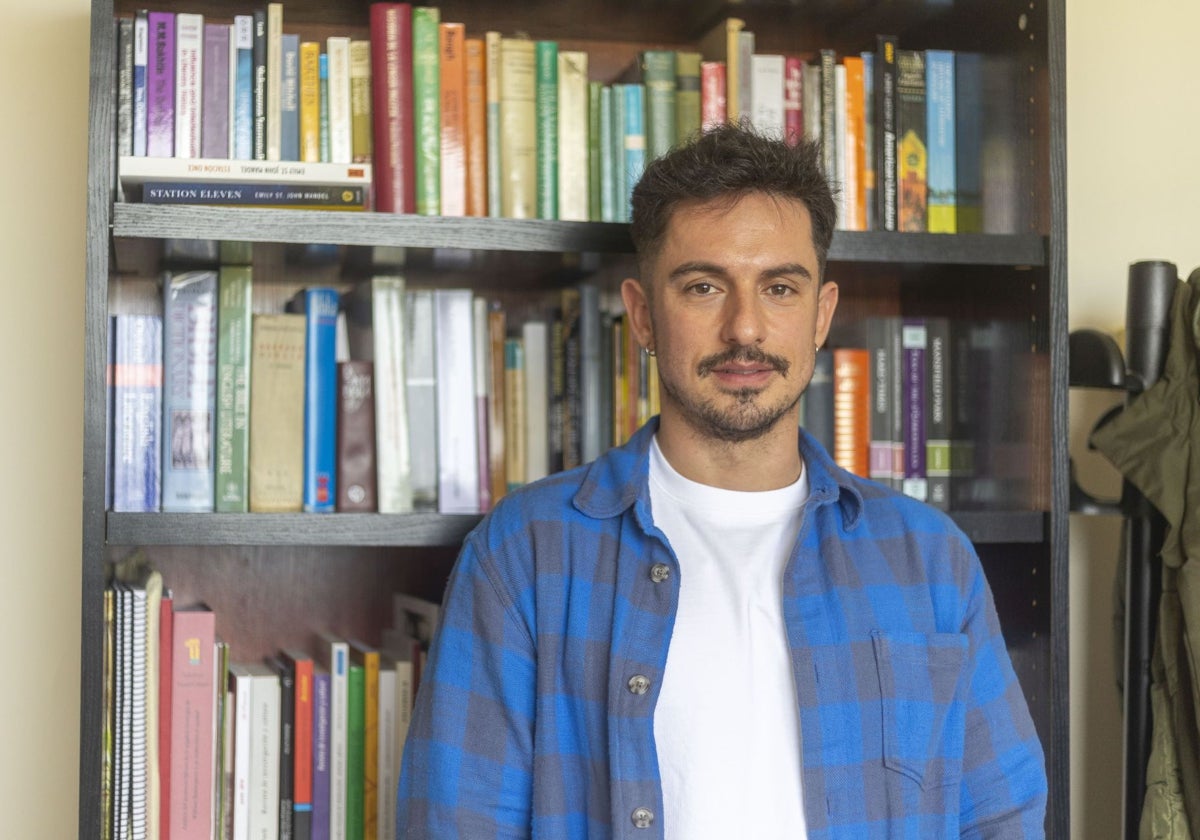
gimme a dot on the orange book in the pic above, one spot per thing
(856, 143)
(453, 68)
(852, 409)
(476, 128)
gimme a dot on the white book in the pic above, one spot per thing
(767, 91)
(481, 347)
(135, 171)
(334, 655)
(535, 334)
(386, 767)
(239, 688)
(189, 54)
(745, 78)
(265, 710)
(841, 165)
(141, 55)
(274, 78)
(454, 369)
(420, 391)
(337, 48)
(573, 135)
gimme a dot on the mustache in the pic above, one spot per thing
(743, 355)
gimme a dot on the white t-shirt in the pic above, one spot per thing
(726, 723)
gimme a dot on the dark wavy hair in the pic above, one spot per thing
(729, 162)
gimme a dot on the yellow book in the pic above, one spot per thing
(360, 101)
(721, 44)
(518, 128)
(310, 102)
(573, 136)
(514, 398)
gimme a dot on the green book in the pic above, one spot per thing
(233, 389)
(427, 120)
(616, 136)
(356, 732)
(687, 95)
(546, 111)
(595, 153)
(658, 75)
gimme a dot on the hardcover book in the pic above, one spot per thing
(886, 172)
(274, 82)
(454, 359)
(546, 127)
(712, 94)
(356, 437)
(300, 664)
(852, 409)
(634, 136)
(193, 704)
(476, 128)
(420, 388)
(452, 155)
(292, 196)
(137, 413)
(817, 410)
(189, 57)
(721, 44)
(141, 58)
(309, 121)
(277, 413)
(514, 413)
(286, 678)
(574, 172)
(942, 167)
(793, 99)
(125, 50)
(189, 389)
(232, 481)
(518, 129)
(355, 746)
(341, 132)
(687, 95)
(391, 73)
(657, 74)
(938, 412)
(160, 85)
(535, 338)
(767, 94)
(214, 111)
(289, 97)
(319, 305)
(495, 179)
(912, 153)
(427, 109)
(915, 342)
(243, 87)
(361, 129)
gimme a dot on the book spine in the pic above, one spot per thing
(394, 488)
(518, 129)
(939, 85)
(370, 754)
(125, 86)
(534, 337)
(388, 758)
(846, 192)
(793, 99)
(321, 755)
(243, 103)
(591, 437)
(307, 196)
(913, 404)
(687, 95)
(289, 97)
(852, 409)
(302, 781)
(259, 90)
(233, 390)
(427, 109)
(571, 400)
(356, 486)
(546, 130)
(476, 128)
(339, 709)
(326, 153)
(883, 398)
(214, 111)
(574, 170)
(137, 413)
(141, 58)
(189, 55)
(767, 94)
(968, 145)
(189, 389)
(341, 133)
(608, 157)
(421, 395)
(239, 687)
(193, 697)
(274, 86)
(712, 94)
(912, 155)
(818, 401)
(634, 122)
(870, 158)
(361, 129)
(160, 85)
(458, 461)
(495, 178)
(514, 428)
(452, 149)
(658, 76)
(483, 415)
(886, 172)
(287, 746)
(277, 413)
(497, 404)
(265, 731)
(309, 123)
(938, 412)
(854, 184)
(355, 750)
(745, 75)
(595, 150)
(320, 306)
(829, 114)
(391, 79)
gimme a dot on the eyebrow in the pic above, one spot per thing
(701, 267)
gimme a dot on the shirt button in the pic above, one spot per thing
(660, 572)
(639, 684)
(642, 817)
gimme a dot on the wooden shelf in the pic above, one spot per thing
(420, 529)
(536, 235)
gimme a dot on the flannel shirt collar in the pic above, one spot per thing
(615, 481)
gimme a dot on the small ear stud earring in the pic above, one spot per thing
(650, 351)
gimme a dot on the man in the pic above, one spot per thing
(713, 631)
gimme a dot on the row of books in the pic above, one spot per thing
(924, 405)
(375, 398)
(442, 123)
(199, 743)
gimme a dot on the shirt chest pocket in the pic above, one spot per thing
(922, 685)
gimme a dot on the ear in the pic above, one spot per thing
(827, 301)
(637, 305)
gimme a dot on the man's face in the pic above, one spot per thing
(733, 309)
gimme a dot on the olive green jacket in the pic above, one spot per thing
(1155, 443)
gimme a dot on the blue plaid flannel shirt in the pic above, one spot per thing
(527, 723)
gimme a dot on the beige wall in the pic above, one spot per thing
(1134, 181)
(43, 150)
(1133, 130)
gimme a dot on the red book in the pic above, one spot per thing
(193, 704)
(793, 99)
(712, 94)
(302, 751)
(391, 85)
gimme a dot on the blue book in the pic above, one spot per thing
(189, 389)
(321, 753)
(940, 140)
(136, 412)
(608, 178)
(323, 81)
(635, 140)
(319, 305)
(141, 52)
(243, 88)
(289, 99)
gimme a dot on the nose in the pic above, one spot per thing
(743, 323)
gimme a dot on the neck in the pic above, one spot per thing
(768, 462)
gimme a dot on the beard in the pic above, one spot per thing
(749, 418)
